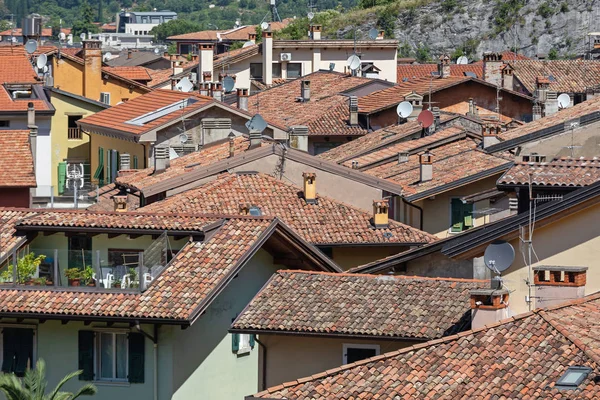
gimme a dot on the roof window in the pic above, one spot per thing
(573, 377)
(161, 112)
(255, 211)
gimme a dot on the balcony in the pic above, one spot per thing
(74, 133)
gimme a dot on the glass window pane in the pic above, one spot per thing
(106, 355)
(276, 70)
(121, 356)
(294, 70)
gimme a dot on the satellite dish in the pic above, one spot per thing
(462, 60)
(248, 44)
(256, 124)
(62, 36)
(264, 26)
(14, 40)
(499, 255)
(353, 62)
(373, 33)
(564, 101)
(404, 109)
(228, 84)
(185, 85)
(183, 138)
(425, 118)
(310, 16)
(107, 56)
(41, 61)
(82, 37)
(31, 46)
(156, 51)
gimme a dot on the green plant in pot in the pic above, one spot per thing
(73, 276)
(6, 276)
(39, 281)
(117, 284)
(26, 267)
(87, 276)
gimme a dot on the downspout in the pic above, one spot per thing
(418, 208)
(264, 364)
(154, 340)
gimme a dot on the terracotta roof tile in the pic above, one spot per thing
(571, 172)
(237, 34)
(354, 304)
(16, 69)
(326, 222)
(570, 76)
(516, 359)
(16, 160)
(134, 73)
(414, 71)
(8, 218)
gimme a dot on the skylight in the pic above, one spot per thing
(161, 112)
(255, 211)
(573, 377)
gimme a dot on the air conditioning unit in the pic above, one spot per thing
(286, 56)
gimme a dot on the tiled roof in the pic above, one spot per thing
(116, 117)
(570, 76)
(134, 73)
(519, 358)
(105, 201)
(202, 35)
(571, 172)
(327, 222)
(159, 76)
(237, 34)
(17, 69)
(8, 218)
(16, 160)
(10, 50)
(354, 304)
(333, 119)
(414, 71)
(46, 32)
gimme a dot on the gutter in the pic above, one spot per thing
(264, 364)
(154, 340)
(408, 203)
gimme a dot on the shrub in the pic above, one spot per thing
(545, 10)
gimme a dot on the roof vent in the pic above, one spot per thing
(353, 110)
(403, 157)
(305, 90)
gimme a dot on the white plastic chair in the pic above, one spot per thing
(126, 282)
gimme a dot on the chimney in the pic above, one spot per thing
(471, 111)
(492, 68)
(537, 111)
(176, 65)
(242, 99)
(353, 120)
(381, 35)
(444, 66)
(217, 91)
(436, 119)
(120, 202)
(252, 37)
(507, 77)
(416, 100)
(488, 306)
(426, 162)
(205, 88)
(380, 213)
(267, 56)
(315, 32)
(166, 54)
(551, 105)
(490, 135)
(542, 84)
(255, 140)
(125, 161)
(92, 70)
(305, 90)
(298, 135)
(475, 111)
(195, 58)
(310, 187)
(129, 52)
(231, 138)
(161, 159)
(206, 61)
(557, 284)
(33, 132)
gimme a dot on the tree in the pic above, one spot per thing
(33, 386)
(84, 23)
(100, 11)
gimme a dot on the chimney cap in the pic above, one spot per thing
(309, 175)
(426, 157)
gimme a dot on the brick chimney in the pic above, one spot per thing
(310, 187)
(252, 37)
(205, 88)
(380, 213)
(195, 58)
(242, 99)
(92, 70)
(129, 54)
(426, 162)
(231, 138)
(267, 56)
(444, 66)
(490, 134)
(353, 111)
(508, 77)
(492, 68)
(315, 32)
(217, 91)
(206, 61)
(488, 306)
(161, 159)
(305, 90)
(542, 84)
(558, 284)
(120, 202)
(381, 35)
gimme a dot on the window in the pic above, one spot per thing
(573, 377)
(17, 350)
(276, 70)
(461, 215)
(105, 98)
(184, 49)
(256, 71)
(357, 352)
(73, 131)
(242, 343)
(116, 356)
(294, 70)
(4, 124)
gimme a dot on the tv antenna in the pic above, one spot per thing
(75, 179)
(273, 12)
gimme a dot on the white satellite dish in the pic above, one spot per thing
(228, 84)
(41, 61)
(256, 124)
(183, 138)
(156, 51)
(82, 37)
(14, 40)
(264, 26)
(107, 56)
(70, 41)
(353, 62)
(564, 101)
(373, 33)
(248, 44)
(185, 85)
(462, 60)
(62, 36)
(45, 69)
(31, 46)
(404, 109)
(310, 16)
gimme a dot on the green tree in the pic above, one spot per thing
(33, 386)
(174, 27)
(84, 23)
(553, 54)
(100, 11)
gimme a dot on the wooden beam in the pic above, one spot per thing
(113, 235)
(42, 321)
(134, 236)
(49, 233)
(86, 323)
(64, 321)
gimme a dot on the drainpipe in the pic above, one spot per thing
(264, 364)
(154, 340)
(418, 208)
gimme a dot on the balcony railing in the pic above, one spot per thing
(74, 134)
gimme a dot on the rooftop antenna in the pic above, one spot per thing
(498, 257)
(572, 125)
(75, 178)
(273, 12)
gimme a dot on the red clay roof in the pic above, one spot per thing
(354, 304)
(562, 172)
(415, 71)
(16, 69)
(570, 76)
(518, 358)
(134, 73)
(46, 32)
(16, 160)
(237, 34)
(8, 218)
(327, 222)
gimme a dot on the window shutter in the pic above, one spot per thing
(24, 350)
(135, 162)
(99, 174)
(235, 342)
(468, 215)
(9, 338)
(457, 215)
(86, 355)
(252, 340)
(136, 358)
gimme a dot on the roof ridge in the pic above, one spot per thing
(375, 276)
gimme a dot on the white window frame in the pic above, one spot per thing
(105, 95)
(450, 216)
(347, 346)
(244, 344)
(98, 352)
(35, 335)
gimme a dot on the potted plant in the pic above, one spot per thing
(87, 276)
(73, 276)
(6, 276)
(117, 284)
(39, 281)
(26, 267)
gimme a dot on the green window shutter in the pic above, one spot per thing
(24, 351)
(99, 174)
(86, 355)
(62, 177)
(235, 342)
(252, 341)
(135, 162)
(457, 215)
(136, 358)
(468, 215)
(109, 166)
(9, 346)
